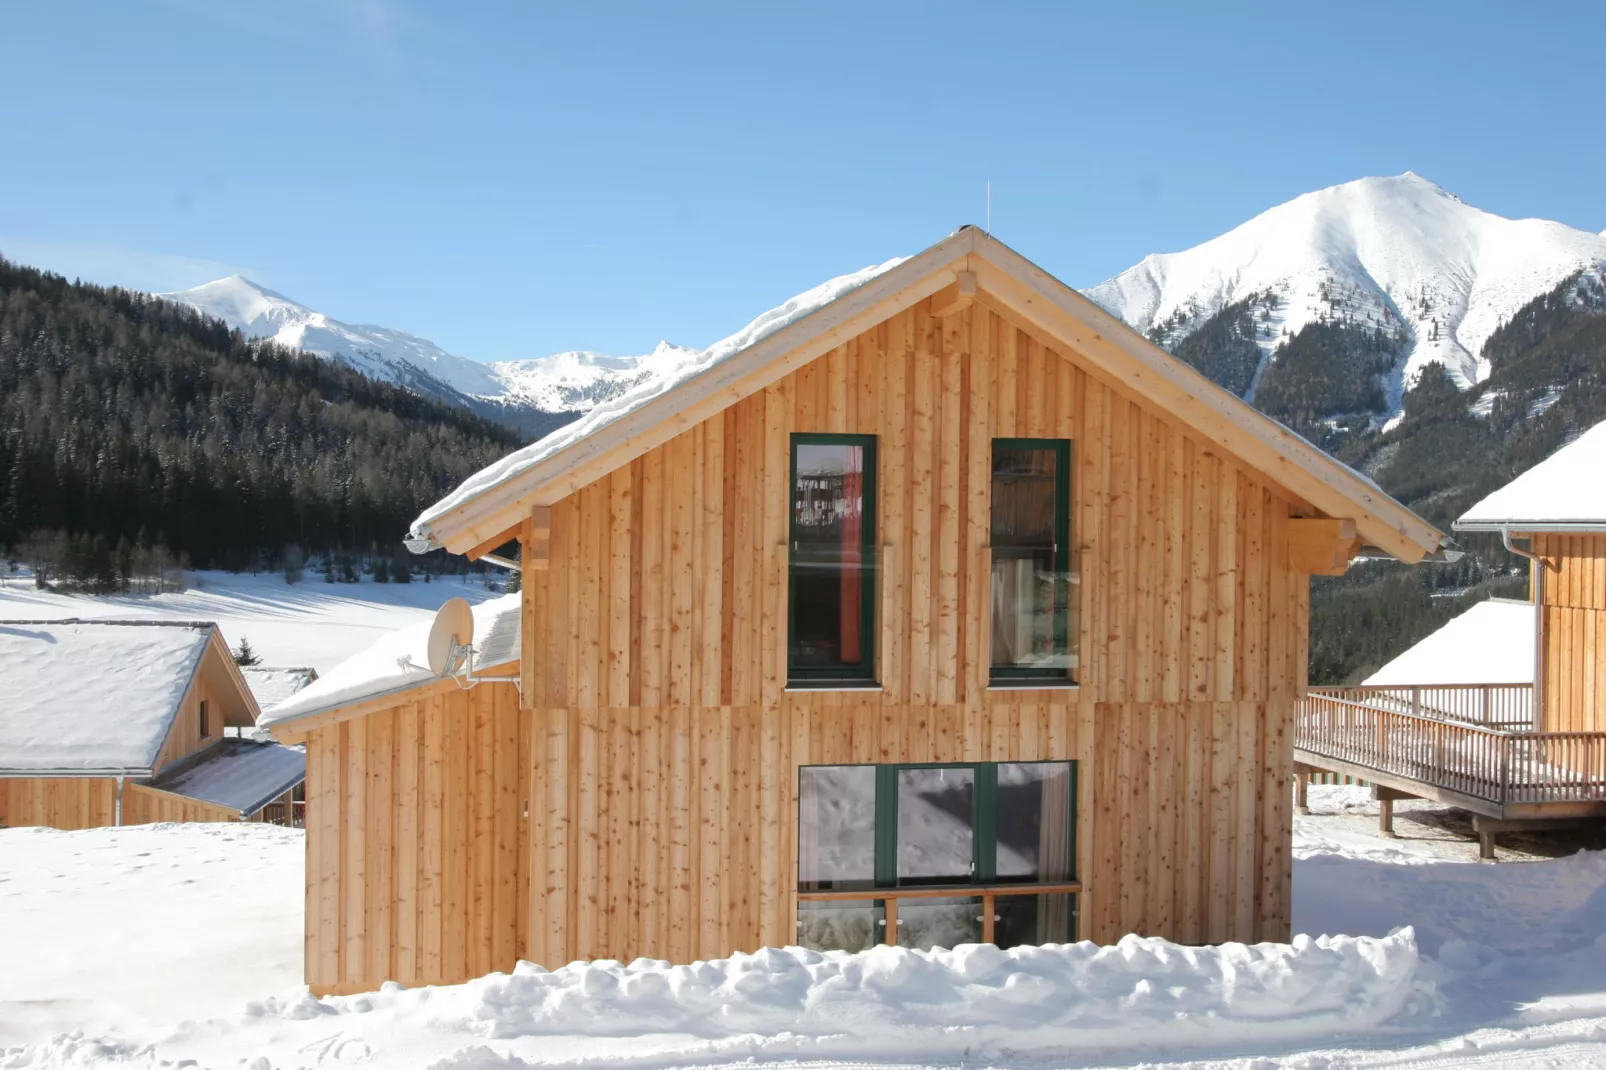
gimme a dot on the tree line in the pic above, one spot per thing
(137, 435)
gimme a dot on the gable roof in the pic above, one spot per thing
(98, 697)
(1564, 492)
(1491, 643)
(398, 662)
(241, 774)
(272, 686)
(496, 500)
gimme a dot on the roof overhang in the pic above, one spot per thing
(1106, 347)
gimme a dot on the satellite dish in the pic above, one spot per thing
(450, 637)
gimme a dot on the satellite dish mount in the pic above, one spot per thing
(451, 641)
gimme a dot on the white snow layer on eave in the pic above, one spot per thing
(81, 696)
(380, 669)
(1569, 486)
(1491, 643)
(692, 362)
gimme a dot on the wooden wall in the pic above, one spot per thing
(59, 802)
(1574, 629)
(184, 737)
(416, 865)
(658, 746)
(91, 802)
(146, 806)
(667, 584)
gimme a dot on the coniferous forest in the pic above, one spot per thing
(136, 431)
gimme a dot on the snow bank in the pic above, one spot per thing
(895, 1002)
(678, 366)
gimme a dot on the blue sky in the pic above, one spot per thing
(512, 180)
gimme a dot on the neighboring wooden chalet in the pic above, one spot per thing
(127, 722)
(271, 686)
(1502, 712)
(935, 606)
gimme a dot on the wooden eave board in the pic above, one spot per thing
(1101, 343)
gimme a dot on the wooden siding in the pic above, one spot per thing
(415, 832)
(1574, 629)
(659, 744)
(59, 802)
(667, 584)
(184, 737)
(145, 806)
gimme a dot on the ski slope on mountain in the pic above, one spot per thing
(1391, 252)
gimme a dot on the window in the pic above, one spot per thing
(881, 846)
(1033, 566)
(206, 721)
(831, 637)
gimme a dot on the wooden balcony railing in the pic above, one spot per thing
(291, 815)
(1491, 705)
(988, 896)
(1496, 764)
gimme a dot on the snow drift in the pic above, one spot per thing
(1139, 992)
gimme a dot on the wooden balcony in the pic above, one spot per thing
(1470, 745)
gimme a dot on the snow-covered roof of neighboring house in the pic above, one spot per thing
(242, 774)
(1564, 492)
(399, 661)
(493, 503)
(1491, 643)
(97, 696)
(273, 686)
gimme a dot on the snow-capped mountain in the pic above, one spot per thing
(381, 352)
(566, 383)
(1397, 253)
(578, 381)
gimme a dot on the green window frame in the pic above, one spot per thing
(984, 823)
(851, 844)
(863, 673)
(1063, 562)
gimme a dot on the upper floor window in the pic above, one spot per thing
(206, 719)
(831, 637)
(1033, 567)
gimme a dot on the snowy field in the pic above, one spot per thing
(311, 623)
(151, 946)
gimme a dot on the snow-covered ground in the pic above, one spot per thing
(150, 946)
(311, 623)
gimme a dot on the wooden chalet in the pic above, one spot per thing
(129, 722)
(935, 606)
(1517, 733)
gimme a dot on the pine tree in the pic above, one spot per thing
(245, 656)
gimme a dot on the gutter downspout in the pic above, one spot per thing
(117, 815)
(1537, 570)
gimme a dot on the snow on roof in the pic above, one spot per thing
(682, 366)
(1491, 643)
(86, 696)
(399, 661)
(242, 774)
(1568, 487)
(273, 686)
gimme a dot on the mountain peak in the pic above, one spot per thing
(1396, 252)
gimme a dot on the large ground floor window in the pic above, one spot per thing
(936, 855)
